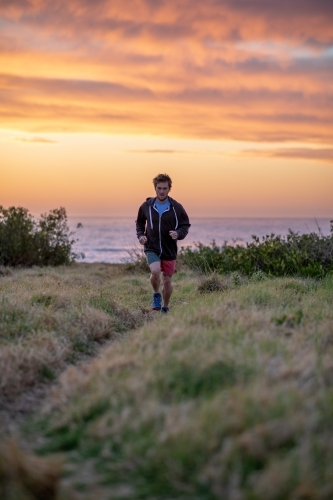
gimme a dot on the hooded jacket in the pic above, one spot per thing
(156, 228)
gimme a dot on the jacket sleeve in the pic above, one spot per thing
(183, 223)
(141, 223)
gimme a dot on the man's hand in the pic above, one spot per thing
(142, 240)
(173, 234)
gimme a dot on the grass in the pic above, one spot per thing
(228, 397)
(49, 317)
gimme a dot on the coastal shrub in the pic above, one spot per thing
(136, 260)
(26, 242)
(211, 283)
(309, 255)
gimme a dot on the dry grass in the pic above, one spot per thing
(24, 476)
(51, 317)
(228, 397)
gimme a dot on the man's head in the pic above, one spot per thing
(162, 184)
(162, 178)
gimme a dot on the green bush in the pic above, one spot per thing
(309, 255)
(26, 242)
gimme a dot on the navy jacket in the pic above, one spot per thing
(156, 228)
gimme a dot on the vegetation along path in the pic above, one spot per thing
(230, 396)
(54, 317)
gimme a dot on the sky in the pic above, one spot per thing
(232, 98)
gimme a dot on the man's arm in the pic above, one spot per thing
(183, 224)
(140, 223)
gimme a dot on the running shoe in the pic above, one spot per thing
(157, 302)
(164, 310)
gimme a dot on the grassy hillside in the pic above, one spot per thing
(230, 396)
(50, 317)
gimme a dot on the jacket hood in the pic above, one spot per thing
(151, 201)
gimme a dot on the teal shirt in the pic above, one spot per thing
(162, 207)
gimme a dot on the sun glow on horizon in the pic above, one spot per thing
(112, 175)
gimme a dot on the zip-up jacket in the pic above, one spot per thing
(156, 228)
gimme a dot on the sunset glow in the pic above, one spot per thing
(232, 98)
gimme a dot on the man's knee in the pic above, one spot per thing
(155, 269)
(156, 274)
(167, 279)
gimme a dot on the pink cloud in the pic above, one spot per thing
(241, 69)
(320, 154)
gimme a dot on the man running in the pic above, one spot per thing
(161, 222)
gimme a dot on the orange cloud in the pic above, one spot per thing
(39, 140)
(322, 155)
(240, 69)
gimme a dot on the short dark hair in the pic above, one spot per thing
(162, 178)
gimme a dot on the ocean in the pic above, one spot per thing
(110, 239)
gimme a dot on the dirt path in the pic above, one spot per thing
(13, 412)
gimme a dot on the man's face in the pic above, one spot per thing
(162, 190)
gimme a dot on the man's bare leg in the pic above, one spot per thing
(155, 276)
(167, 289)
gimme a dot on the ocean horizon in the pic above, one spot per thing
(111, 239)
